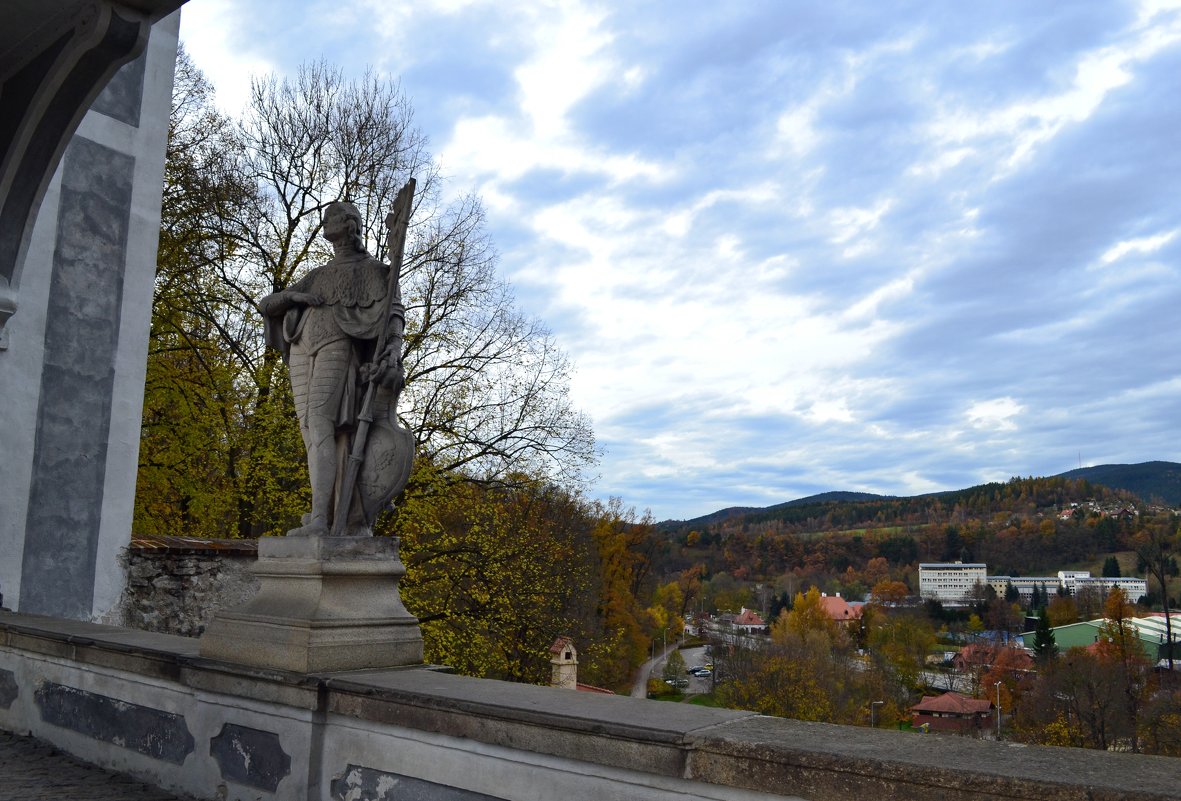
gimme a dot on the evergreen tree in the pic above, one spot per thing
(779, 604)
(1111, 568)
(1044, 646)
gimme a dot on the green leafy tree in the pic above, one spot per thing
(674, 667)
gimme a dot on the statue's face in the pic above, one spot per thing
(338, 223)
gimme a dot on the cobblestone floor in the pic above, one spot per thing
(33, 770)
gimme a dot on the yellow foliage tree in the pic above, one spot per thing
(807, 615)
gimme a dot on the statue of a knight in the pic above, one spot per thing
(339, 329)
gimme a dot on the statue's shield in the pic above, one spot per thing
(389, 455)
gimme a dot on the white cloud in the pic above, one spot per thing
(708, 258)
(853, 222)
(996, 414)
(214, 32)
(1141, 245)
(1018, 129)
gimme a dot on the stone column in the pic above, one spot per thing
(72, 371)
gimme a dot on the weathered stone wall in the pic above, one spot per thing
(175, 584)
(150, 705)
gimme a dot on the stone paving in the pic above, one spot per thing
(33, 770)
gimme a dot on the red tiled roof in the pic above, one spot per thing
(837, 608)
(560, 645)
(749, 617)
(952, 702)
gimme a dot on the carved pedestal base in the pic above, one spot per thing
(325, 604)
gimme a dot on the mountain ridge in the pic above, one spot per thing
(1149, 481)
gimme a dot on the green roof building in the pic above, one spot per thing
(1149, 630)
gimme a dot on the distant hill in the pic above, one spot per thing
(737, 511)
(1147, 480)
(831, 497)
(712, 517)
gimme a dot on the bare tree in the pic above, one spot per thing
(1155, 554)
(486, 387)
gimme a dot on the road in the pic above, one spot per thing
(655, 667)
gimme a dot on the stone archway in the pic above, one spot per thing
(84, 98)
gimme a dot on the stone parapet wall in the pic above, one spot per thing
(149, 705)
(176, 584)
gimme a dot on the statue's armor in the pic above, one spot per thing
(324, 347)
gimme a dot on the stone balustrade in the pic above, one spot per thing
(147, 704)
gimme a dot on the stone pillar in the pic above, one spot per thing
(324, 604)
(72, 372)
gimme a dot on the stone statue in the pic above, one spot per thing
(340, 330)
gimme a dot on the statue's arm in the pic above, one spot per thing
(278, 303)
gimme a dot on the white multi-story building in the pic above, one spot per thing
(1067, 578)
(1134, 588)
(1071, 581)
(951, 583)
(1023, 585)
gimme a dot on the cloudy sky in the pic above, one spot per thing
(793, 247)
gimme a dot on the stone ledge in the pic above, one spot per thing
(613, 730)
(723, 748)
(839, 762)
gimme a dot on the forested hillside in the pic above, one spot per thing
(1025, 526)
(1153, 481)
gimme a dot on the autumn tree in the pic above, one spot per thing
(1119, 647)
(196, 399)
(1077, 702)
(899, 644)
(1155, 548)
(496, 574)
(674, 668)
(1062, 611)
(807, 616)
(889, 593)
(503, 552)
(486, 387)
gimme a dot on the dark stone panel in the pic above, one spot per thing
(8, 688)
(77, 381)
(366, 784)
(250, 756)
(123, 96)
(151, 732)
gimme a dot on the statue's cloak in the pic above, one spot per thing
(353, 289)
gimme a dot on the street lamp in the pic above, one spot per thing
(998, 711)
(873, 708)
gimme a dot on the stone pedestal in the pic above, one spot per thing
(325, 604)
